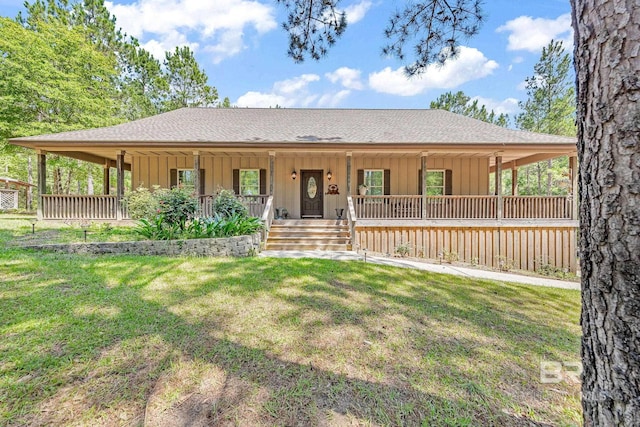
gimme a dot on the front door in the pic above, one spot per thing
(311, 203)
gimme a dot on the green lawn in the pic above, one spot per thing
(125, 340)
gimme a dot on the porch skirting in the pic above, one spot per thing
(518, 246)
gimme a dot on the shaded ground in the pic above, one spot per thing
(124, 340)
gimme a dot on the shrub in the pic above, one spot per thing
(227, 204)
(403, 249)
(451, 257)
(177, 206)
(144, 203)
(157, 228)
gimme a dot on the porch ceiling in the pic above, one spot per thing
(521, 155)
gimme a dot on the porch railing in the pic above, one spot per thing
(538, 207)
(267, 218)
(463, 207)
(78, 207)
(255, 204)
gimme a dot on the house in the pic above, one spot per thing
(426, 172)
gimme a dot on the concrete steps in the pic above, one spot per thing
(309, 235)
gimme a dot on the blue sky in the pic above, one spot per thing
(243, 49)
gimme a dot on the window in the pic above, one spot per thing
(186, 178)
(435, 183)
(374, 180)
(249, 182)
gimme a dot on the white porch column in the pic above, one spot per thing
(573, 166)
(272, 172)
(42, 180)
(498, 189)
(423, 183)
(196, 173)
(120, 183)
(349, 156)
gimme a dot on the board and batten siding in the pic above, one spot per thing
(287, 191)
(154, 170)
(470, 174)
(523, 247)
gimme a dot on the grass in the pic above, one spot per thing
(128, 340)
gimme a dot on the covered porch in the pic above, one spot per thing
(337, 181)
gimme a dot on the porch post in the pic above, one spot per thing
(120, 183)
(42, 180)
(106, 178)
(514, 178)
(423, 183)
(272, 167)
(498, 189)
(573, 166)
(196, 173)
(349, 156)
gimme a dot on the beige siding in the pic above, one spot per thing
(526, 248)
(154, 170)
(287, 191)
(470, 175)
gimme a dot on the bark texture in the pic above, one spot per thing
(607, 49)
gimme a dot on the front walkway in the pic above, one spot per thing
(435, 268)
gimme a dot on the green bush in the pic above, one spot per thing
(177, 206)
(227, 204)
(158, 228)
(144, 203)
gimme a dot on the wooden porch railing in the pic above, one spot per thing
(56, 206)
(267, 218)
(351, 217)
(255, 204)
(542, 207)
(463, 207)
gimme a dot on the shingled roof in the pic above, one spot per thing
(326, 126)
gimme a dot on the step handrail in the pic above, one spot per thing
(351, 219)
(267, 218)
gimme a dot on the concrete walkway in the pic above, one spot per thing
(421, 265)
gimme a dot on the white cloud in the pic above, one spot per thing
(347, 77)
(168, 43)
(470, 64)
(532, 34)
(357, 11)
(286, 93)
(332, 100)
(295, 85)
(297, 92)
(262, 100)
(218, 26)
(506, 106)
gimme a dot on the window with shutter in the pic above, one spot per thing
(439, 182)
(250, 182)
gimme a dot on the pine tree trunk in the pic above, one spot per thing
(607, 62)
(90, 182)
(549, 176)
(56, 181)
(539, 169)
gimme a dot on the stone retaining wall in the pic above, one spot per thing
(240, 246)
